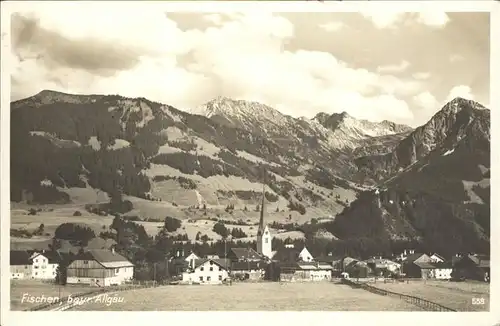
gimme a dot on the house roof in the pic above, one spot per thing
(19, 257)
(412, 257)
(248, 265)
(106, 258)
(438, 255)
(220, 262)
(54, 257)
(246, 254)
(287, 255)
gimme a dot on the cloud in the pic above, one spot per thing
(433, 18)
(394, 68)
(31, 41)
(426, 101)
(333, 26)
(421, 75)
(460, 91)
(391, 18)
(241, 56)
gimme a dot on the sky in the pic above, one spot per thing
(377, 65)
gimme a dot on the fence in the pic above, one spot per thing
(117, 288)
(419, 302)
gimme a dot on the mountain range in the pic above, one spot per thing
(368, 179)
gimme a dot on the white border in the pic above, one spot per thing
(256, 318)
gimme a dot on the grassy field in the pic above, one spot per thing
(37, 288)
(455, 295)
(253, 296)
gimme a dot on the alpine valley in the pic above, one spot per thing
(332, 176)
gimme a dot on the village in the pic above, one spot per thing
(102, 267)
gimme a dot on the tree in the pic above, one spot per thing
(172, 224)
(220, 229)
(62, 272)
(198, 236)
(277, 209)
(74, 232)
(257, 208)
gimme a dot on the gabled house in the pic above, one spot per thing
(100, 268)
(305, 271)
(248, 270)
(437, 258)
(381, 266)
(45, 264)
(305, 255)
(473, 266)
(416, 265)
(206, 271)
(288, 254)
(20, 264)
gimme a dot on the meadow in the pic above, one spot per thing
(454, 295)
(253, 297)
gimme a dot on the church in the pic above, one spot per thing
(264, 236)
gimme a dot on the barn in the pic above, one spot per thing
(100, 268)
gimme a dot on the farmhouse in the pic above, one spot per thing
(20, 264)
(381, 266)
(305, 271)
(206, 271)
(45, 264)
(248, 270)
(473, 266)
(100, 268)
(442, 270)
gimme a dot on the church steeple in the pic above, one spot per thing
(264, 238)
(261, 221)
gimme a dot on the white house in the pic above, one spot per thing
(45, 265)
(435, 258)
(305, 255)
(100, 268)
(442, 270)
(205, 271)
(190, 258)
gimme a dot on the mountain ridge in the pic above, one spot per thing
(158, 155)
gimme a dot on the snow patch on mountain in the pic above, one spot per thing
(119, 143)
(95, 143)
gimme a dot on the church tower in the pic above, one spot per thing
(264, 237)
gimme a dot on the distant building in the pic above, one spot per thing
(382, 266)
(206, 271)
(305, 271)
(244, 254)
(305, 255)
(20, 264)
(442, 270)
(100, 268)
(437, 258)
(45, 264)
(248, 270)
(472, 266)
